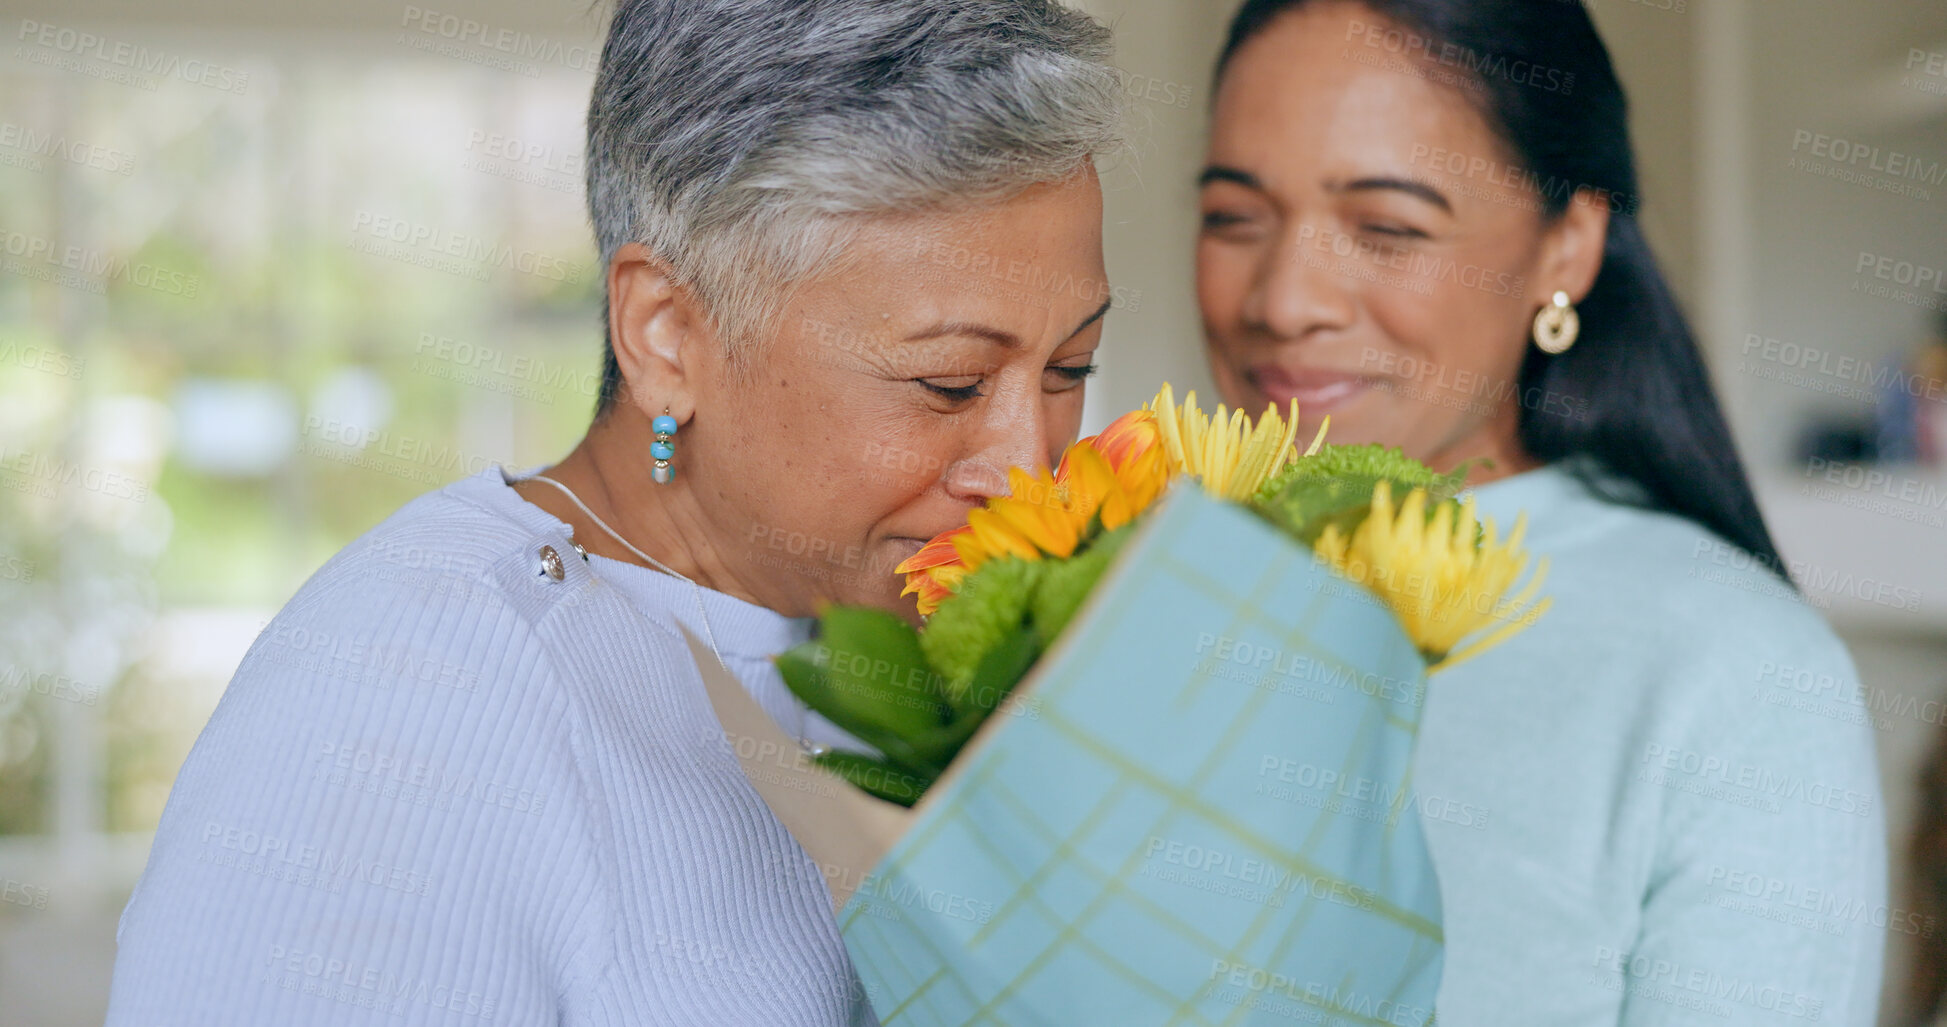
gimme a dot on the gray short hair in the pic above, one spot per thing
(736, 138)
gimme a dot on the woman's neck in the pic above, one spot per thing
(610, 474)
(1492, 452)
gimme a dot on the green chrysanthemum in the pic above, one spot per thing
(1066, 583)
(991, 604)
(1335, 487)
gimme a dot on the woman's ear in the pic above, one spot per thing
(1572, 248)
(661, 337)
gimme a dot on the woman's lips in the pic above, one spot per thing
(1317, 392)
(905, 548)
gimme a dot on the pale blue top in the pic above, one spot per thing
(1659, 805)
(446, 787)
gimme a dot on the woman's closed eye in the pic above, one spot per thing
(960, 390)
(1062, 377)
(1229, 223)
(955, 390)
(1395, 231)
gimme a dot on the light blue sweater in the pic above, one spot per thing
(445, 788)
(1659, 805)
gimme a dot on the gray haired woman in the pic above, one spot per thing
(470, 772)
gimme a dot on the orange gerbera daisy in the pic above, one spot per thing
(1102, 483)
(935, 571)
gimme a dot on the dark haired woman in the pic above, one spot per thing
(1418, 219)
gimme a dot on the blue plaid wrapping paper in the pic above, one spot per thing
(1199, 811)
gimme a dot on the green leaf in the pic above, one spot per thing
(938, 748)
(866, 673)
(912, 759)
(991, 605)
(926, 755)
(808, 680)
(877, 777)
(874, 660)
(994, 679)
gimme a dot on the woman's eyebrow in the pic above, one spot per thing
(1220, 173)
(971, 329)
(1092, 318)
(997, 336)
(1405, 185)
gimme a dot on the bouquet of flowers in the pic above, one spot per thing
(998, 591)
(1148, 760)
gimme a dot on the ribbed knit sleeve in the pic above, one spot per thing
(468, 777)
(384, 818)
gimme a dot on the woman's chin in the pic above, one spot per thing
(1373, 420)
(876, 595)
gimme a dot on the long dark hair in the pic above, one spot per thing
(1927, 855)
(1541, 75)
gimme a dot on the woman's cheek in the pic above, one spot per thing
(1407, 362)
(1223, 275)
(1453, 357)
(1064, 413)
(883, 472)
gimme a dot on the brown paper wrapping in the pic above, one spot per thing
(844, 830)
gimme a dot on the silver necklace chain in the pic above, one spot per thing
(696, 590)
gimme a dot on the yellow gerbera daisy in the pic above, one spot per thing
(1440, 582)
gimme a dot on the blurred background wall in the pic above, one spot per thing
(270, 269)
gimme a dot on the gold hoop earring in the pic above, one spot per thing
(1557, 326)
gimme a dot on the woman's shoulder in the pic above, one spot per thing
(466, 556)
(1675, 578)
(450, 602)
(1708, 626)
(416, 665)
(459, 540)
(1683, 651)
(404, 722)
(465, 600)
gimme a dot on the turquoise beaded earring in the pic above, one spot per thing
(661, 449)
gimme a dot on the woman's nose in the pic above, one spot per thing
(1302, 287)
(975, 480)
(1013, 434)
